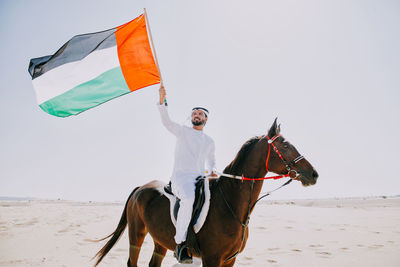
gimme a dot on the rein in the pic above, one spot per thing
(292, 174)
(252, 179)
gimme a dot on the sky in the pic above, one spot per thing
(329, 70)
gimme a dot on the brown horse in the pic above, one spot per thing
(225, 232)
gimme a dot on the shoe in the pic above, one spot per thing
(182, 255)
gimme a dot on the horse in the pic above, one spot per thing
(225, 232)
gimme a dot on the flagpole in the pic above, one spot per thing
(152, 44)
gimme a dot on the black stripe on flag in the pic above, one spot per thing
(74, 50)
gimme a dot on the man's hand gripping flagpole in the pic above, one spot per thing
(163, 94)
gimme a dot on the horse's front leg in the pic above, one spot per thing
(229, 263)
(212, 261)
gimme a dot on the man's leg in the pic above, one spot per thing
(183, 219)
(187, 195)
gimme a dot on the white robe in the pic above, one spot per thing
(193, 150)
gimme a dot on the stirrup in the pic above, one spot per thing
(181, 254)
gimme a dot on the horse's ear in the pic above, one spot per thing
(275, 129)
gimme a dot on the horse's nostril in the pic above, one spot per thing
(315, 174)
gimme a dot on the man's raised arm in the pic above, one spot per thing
(171, 126)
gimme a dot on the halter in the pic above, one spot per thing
(291, 173)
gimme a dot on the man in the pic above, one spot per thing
(193, 150)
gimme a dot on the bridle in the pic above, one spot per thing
(292, 174)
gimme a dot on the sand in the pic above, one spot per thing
(335, 232)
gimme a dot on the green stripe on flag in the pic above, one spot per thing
(108, 85)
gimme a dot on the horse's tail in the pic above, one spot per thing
(115, 235)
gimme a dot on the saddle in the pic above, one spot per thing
(198, 203)
(199, 214)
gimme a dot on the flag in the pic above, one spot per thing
(93, 68)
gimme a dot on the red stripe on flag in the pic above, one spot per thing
(135, 56)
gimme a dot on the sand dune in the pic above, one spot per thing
(337, 232)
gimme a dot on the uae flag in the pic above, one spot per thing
(93, 68)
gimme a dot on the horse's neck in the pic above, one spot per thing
(242, 193)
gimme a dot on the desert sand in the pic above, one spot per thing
(332, 232)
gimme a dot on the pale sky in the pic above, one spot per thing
(329, 70)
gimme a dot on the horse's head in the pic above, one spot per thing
(285, 159)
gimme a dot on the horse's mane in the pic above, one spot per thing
(236, 164)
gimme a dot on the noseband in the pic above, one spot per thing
(291, 173)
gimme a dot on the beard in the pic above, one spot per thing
(197, 122)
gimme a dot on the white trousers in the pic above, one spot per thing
(186, 193)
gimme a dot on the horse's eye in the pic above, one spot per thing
(285, 145)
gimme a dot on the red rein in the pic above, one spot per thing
(270, 142)
(265, 178)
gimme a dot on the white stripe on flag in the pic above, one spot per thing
(65, 77)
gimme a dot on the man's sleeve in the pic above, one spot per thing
(211, 162)
(171, 126)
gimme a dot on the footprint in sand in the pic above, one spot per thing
(375, 246)
(273, 249)
(324, 254)
(80, 233)
(65, 230)
(316, 246)
(17, 261)
(297, 250)
(272, 261)
(29, 223)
